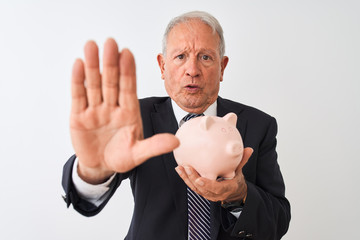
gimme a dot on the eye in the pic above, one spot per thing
(180, 57)
(205, 57)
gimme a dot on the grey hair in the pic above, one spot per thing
(205, 18)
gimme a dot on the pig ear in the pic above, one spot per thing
(234, 148)
(231, 118)
(206, 122)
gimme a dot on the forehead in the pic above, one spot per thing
(194, 33)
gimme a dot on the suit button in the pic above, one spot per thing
(249, 236)
(244, 235)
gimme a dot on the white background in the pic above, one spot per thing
(296, 60)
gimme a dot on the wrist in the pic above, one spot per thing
(235, 204)
(93, 175)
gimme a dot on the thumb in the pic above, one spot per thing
(246, 155)
(156, 145)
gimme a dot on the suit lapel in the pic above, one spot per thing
(164, 121)
(224, 108)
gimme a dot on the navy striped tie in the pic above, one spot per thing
(198, 209)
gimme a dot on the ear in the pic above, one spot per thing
(161, 62)
(206, 122)
(224, 62)
(231, 118)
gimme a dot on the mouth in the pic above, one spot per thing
(192, 87)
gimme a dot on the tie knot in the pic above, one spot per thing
(192, 115)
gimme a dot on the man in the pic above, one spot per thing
(116, 137)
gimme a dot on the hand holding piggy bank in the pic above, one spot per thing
(211, 145)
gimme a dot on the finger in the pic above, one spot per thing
(214, 190)
(246, 155)
(154, 146)
(192, 174)
(92, 73)
(78, 92)
(212, 187)
(193, 180)
(184, 173)
(128, 98)
(110, 76)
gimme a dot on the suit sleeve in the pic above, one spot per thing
(266, 213)
(72, 197)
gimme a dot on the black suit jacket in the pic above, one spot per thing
(160, 194)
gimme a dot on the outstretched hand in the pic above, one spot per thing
(105, 121)
(234, 189)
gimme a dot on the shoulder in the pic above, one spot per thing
(244, 111)
(147, 104)
(255, 125)
(152, 100)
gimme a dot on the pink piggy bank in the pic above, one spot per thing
(211, 145)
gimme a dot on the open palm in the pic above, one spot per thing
(105, 122)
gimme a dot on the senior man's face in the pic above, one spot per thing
(192, 67)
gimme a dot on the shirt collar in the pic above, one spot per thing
(180, 113)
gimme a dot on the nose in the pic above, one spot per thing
(192, 68)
